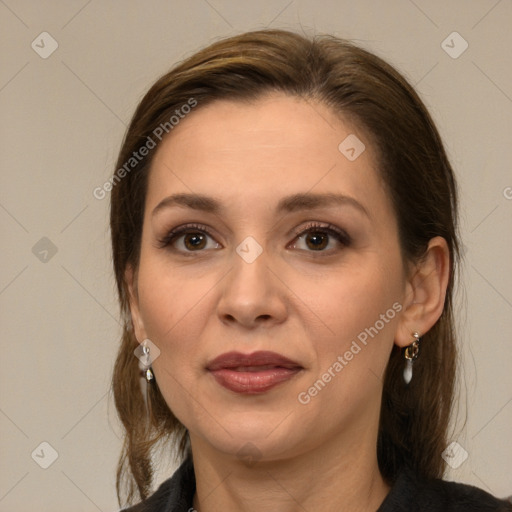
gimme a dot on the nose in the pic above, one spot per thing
(252, 295)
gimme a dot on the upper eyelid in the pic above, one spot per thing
(295, 231)
(326, 226)
(180, 231)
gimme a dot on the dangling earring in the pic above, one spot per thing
(145, 359)
(143, 352)
(411, 354)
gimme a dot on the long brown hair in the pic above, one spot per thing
(363, 88)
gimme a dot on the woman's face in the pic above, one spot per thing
(289, 246)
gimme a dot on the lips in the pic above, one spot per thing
(252, 373)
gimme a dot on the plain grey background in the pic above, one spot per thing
(63, 118)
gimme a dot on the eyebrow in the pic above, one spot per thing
(293, 203)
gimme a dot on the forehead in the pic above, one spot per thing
(264, 149)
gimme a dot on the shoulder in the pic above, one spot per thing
(409, 493)
(460, 497)
(173, 495)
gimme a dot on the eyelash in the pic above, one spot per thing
(182, 230)
(327, 229)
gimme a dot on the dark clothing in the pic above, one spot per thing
(406, 495)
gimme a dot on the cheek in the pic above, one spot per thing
(350, 299)
(360, 305)
(167, 292)
(361, 308)
(173, 315)
(168, 302)
(175, 305)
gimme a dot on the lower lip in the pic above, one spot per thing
(251, 383)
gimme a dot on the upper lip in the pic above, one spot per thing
(261, 358)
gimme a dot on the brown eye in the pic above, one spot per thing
(323, 239)
(187, 239)
(194, 241)
(316, 240)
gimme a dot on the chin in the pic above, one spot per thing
(254, 436)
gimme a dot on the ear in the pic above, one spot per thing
(130, 277)
(425, 292)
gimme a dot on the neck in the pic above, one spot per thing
(326, 478)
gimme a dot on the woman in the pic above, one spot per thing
(284, 236)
